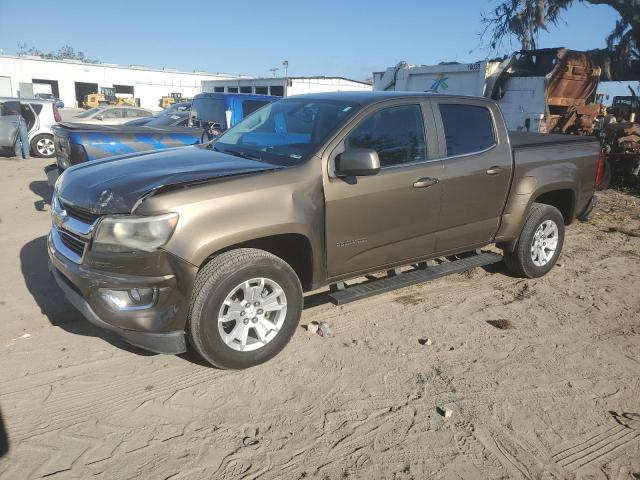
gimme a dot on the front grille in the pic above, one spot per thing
(73, 243)
(80, 213)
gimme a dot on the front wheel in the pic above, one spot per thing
(245, 307)
(540, 243)
(43, 146)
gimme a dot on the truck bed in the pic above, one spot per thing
(533, 139)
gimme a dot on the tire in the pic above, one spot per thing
(221, 281)
(42, 146)
(521, 256)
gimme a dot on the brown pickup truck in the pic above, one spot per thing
(217, 243)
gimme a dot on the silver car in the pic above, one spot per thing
(40, 116)
(110, 115)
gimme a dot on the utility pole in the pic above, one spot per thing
(273, 71)
(285, 64)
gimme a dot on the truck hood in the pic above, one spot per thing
(116, 184)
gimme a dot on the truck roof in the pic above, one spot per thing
(365, 97)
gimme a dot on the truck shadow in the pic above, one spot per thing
(34, 262)
(44, 191)
(4, 438)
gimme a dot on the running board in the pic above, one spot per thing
(419, 275)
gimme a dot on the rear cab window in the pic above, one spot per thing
(468, 129)
(208, 109)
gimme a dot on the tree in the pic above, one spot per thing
(523, 19)
(64, 53)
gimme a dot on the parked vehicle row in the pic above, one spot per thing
(179, 126)
(215, 244)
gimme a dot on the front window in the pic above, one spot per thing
(395, 133)
(287, 131)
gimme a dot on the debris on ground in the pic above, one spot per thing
(425, 341)
(625, 231)
(324, 330)
(445, 412)
(312, 327)
(501, 324)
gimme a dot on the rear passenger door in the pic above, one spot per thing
(477, 167)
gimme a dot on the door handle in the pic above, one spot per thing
(495, 170)
(425, 182)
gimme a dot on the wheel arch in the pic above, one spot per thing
(293, 248)
(564, 199)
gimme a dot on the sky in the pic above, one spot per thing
(349, 38)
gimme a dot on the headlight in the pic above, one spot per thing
(123, 234)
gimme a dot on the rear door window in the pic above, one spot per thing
(10, 108)
(250, 106)
(114, 113)
(396, 133)
(467, 128)
(37, 107)
(207, 109)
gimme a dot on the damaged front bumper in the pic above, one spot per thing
(159, 326)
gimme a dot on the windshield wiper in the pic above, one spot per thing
(237, 153)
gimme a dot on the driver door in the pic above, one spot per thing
(9, 122)
(392, 217)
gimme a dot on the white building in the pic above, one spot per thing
(71, 80)
(284, 86)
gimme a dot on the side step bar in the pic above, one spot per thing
(411, 277)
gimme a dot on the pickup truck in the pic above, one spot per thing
(77, 143)
(217, 243)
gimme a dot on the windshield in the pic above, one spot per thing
(88, 113)
(288, 130)
(207, 109)
(46, 96)
(176, 108)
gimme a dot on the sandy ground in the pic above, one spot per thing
(554, 394)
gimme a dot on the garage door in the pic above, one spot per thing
(5, 87)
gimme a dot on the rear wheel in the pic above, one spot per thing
(42, 146)
(245, 307)
(540, 243)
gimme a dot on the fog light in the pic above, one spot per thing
(132, 299)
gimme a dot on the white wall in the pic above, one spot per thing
(149, 84)
(299, 85)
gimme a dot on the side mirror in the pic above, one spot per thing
(357, 162)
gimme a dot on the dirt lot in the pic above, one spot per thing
(542, 376)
